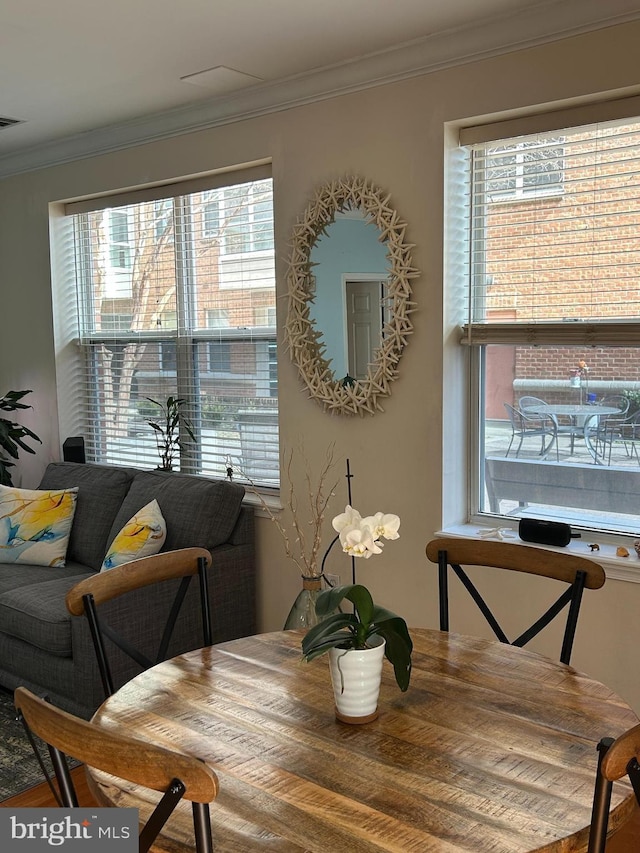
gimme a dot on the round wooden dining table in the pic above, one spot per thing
(491, 750)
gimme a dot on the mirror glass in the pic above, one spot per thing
(349, 268)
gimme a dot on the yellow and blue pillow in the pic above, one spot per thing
(142, 536)
(35, 525)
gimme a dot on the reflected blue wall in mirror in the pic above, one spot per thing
(349, 246)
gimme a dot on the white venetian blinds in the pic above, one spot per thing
(174, 295)
(554, 234)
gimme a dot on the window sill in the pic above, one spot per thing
(272, 501)
(616, 568)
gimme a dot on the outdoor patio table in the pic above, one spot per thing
(576, 411)
(491, 749)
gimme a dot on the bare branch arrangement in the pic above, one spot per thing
(307, 516)
(305, 341)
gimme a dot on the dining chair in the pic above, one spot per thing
(175, 774)
(579, 573)
(532, 425)
(87, 596)
(616, 758)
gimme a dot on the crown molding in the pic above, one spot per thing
(546, 22)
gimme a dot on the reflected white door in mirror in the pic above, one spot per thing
(349, 285)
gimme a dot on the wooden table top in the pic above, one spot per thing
(491, 750)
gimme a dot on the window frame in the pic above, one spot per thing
(475, 336)
(184, 331)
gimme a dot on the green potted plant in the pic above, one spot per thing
(167, 430)
(358, 640)
(12, 434)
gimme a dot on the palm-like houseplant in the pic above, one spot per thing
(12, 434)
(167, 430)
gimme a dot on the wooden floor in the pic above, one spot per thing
(41, 797)
(625, 841)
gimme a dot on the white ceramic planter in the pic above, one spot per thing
(355, 675)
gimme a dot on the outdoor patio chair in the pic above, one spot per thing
(616, 758)
(175, 774)
(570, 427)
(624, 432)
(529, 405)
(533, 425)
(608, 428)
(579, 573)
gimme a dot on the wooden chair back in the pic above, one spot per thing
(86, 596)
(616, 759)
(577, 572)
(175, 774)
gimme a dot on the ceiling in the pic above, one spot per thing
(84, 77)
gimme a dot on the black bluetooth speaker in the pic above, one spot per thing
(73, 449)
(544, 532)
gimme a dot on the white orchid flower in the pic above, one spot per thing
(383, 524)
(349, 518)
(358, 541)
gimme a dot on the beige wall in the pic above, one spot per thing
(395, 136)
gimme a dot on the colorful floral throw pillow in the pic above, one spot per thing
(35, 525)
(142, 536)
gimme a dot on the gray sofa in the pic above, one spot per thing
(50, 652)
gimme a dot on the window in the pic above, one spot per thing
(119, 239)
(218, 318)
(521, 169)
(174, 330)
(168, 356)
(116, 253)
(265, 316)
(163, 213)
(552, 322)
(220, 357)
(240, 218)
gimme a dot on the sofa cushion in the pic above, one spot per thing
(101, 490)
(38, 615)
(35, 525)
(198, 512)
(12, 576)
(142, 536)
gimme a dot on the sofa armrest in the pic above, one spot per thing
(243, 533)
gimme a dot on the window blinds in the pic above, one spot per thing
(555, 236)
(175, 296)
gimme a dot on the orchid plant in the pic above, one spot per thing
(360, 537)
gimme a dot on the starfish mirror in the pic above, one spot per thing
(360, 382)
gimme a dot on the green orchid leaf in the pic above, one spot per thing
(361, 597)
(357, 594)
(331, 641)
(328, 626)
(382, 616)
(329, 600)
(397, 649)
